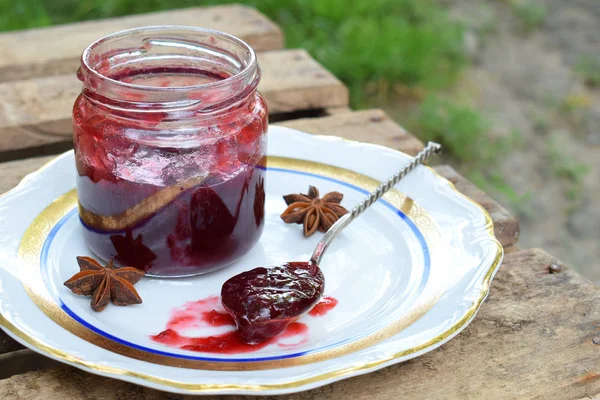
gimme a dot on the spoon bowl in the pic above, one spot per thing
(265, 300)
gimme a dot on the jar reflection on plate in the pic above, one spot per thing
(170, 143)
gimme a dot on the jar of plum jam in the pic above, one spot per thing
(170, 141)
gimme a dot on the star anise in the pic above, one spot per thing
(105, 284)
(314, 212)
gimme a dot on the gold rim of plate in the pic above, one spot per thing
(33, 239)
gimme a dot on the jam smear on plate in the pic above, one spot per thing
(226, 343)
(206, 314)
(326, 304)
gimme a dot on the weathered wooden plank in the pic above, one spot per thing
(56, 50)
(7, 344)
(35, 114)
(372, 126)
(292, 80)
(337, 110)
(506, 227)
(532, 339)
(511, 249)
(22, 361)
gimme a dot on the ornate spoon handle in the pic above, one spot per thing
(334, 231)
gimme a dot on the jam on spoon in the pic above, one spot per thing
(265, 300)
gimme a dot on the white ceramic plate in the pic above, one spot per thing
(408, 275)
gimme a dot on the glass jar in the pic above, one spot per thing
(170, 141)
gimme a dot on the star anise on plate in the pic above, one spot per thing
(313, 212)
(105, 284)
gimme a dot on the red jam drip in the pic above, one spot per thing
(121, 161)
(264, 301)
(207, 313)
(227, 343)
(326, 304)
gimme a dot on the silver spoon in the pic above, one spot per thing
(334, 231)
(264, 301)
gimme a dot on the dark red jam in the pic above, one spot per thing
(265, 301)
(206, 314)
(172, 192)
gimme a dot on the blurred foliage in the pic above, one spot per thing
(530, 12)
(461, 129)
(571, 170)
(588, 67)
(496, 185)
(466, 135)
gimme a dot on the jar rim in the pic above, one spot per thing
(243, 80)
(87, 51)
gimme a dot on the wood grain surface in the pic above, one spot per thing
(56, 50)
(372, 126)
(532, 339)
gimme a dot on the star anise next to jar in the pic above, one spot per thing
(105, 284)
(313, 212)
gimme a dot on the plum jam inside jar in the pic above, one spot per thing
(170, 141)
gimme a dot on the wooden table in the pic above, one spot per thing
(537, 336)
